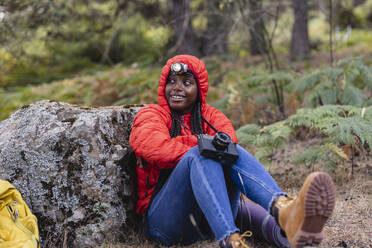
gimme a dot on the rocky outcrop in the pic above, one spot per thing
(75, 169)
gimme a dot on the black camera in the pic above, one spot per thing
(218, 147)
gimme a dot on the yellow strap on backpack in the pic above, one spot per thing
(18, 226)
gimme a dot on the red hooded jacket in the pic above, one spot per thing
(150, 138)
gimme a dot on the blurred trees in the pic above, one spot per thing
(257, 28)
(215, 37)
(45, 40)
(184, 39)
(211, 40)
(300, 43)
(58, 37)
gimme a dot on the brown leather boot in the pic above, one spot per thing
(303, 218)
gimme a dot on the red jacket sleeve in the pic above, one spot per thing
(221, 123)
(150, 139)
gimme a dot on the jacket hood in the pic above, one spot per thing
(196, 66)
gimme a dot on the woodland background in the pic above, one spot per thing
(294, 76)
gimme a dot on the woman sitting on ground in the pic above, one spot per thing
(185, 196)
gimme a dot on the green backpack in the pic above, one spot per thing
(18, 226)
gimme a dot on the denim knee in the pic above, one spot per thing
(193, 151)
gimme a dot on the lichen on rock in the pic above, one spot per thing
(75, 169)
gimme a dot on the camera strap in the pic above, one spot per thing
(214, 129)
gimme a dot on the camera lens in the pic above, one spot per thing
(221, 140)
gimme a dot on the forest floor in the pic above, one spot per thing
(351, 222)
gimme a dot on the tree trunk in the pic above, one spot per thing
(300, 44)
(184, 39)
(258, 42)
(216, 35)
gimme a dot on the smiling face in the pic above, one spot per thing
(181, 92)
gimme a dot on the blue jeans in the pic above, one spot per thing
(201, 188)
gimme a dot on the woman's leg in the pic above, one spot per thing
(196, 188)
(252, 217)
(253, 180)
(302, 218)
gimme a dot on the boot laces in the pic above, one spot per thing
(240, 241)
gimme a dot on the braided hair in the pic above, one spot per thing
(196, 120)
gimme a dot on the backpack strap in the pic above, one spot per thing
(14, 214)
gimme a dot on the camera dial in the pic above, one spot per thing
(221, 140)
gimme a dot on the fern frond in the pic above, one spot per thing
(301, 118)
(340, 124)
(312, 99)
(307, 82)
(255, 80)
(345, 84)
(252, 129)
(262, 154)
(280, 76)
(245, 138)
(278, 130)
(353, 96)
(329, 95)
(223, 103)
(264, 140)
(248, 134)
(357, 73)
(309, 156)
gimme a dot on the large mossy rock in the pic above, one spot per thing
(75, 169)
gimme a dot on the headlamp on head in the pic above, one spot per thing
(179, 68)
